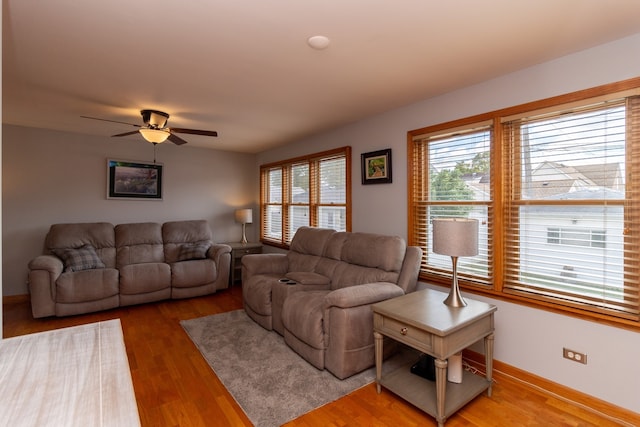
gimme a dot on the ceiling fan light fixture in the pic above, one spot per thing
(154, 118)
(155, 136)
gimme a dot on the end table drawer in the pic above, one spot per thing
(404, 333)
(239, 253)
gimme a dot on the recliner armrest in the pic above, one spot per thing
(308, 278)
(217, 250)
(50, 263)
(368, 293)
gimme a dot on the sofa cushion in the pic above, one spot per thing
(311, 240)
(87, 285)
(307, 248)
(176, 233)
(375, 251)
(346, 274)
(100, 235)
(144, 278)
(189, 251)
(185, 274)
(138, 243)
(78, 259)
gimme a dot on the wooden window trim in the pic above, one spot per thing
(498, 178)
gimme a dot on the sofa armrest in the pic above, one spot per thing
(368, 293)
(217, 250)
(50, 263)
(44, 270)
(253, 264)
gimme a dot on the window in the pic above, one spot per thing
(455, 181)
(306, 191)
(576, 237)
(554, 185)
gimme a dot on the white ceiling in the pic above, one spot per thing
(244, 69)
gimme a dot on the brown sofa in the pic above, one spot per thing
(325, 313)
(95, 266)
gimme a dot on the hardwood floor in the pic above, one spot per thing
(175, 386)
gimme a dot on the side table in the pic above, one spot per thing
(238, 250)
(422, 321)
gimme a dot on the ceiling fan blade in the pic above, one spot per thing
(112, 121)
(126, 133)
(195, 131)
(176, 139)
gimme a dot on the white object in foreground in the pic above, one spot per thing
(76, 376)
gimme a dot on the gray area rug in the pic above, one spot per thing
(269, 381)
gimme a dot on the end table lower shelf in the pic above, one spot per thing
(422, 393)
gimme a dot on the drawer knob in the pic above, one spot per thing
(403, 331)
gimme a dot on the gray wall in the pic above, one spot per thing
(50, 177)
(526, 338)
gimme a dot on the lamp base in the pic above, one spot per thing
(244, 236)
(455, 298)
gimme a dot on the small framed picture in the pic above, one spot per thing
(134, 180)
(376, 167)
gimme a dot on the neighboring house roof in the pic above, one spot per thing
(607, 175)
(551, 179)
(586, 210)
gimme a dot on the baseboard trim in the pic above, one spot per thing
(504, 372)
(15, 299)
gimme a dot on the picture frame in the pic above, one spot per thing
(134, 180)
(376, 167)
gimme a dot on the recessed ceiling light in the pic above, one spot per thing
(318, 42)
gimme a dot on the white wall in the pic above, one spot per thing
(51, 177)
(526, 338)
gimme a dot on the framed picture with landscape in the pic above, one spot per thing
(376, 167)
(134, 180)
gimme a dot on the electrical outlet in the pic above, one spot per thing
(576, 356)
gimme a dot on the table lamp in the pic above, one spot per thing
(455, 237)
(244, 217)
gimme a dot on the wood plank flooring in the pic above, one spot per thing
(174, 385)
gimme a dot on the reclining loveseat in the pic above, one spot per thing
(319, 294)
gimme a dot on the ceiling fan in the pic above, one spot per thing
(155, 128)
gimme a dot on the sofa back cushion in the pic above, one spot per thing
(357, 258)
(307, 247)
(178, 234)
(345, 275)
(100, 235)
(138, 243)
(375, 251)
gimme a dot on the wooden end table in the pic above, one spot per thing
(422, 321)
(238, 250)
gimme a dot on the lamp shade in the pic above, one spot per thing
(244, 216)
(455, 236)
(155, 136)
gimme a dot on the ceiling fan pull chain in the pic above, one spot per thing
(154, 152)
